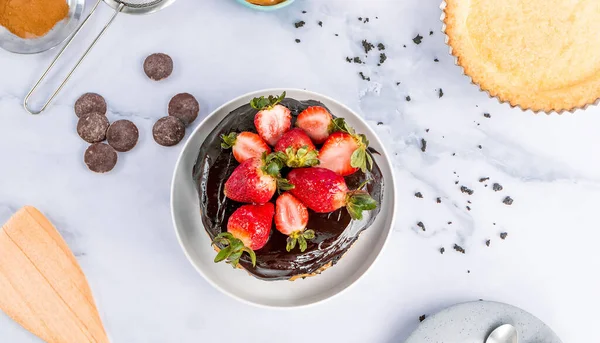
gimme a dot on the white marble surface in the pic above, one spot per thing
(119, 224)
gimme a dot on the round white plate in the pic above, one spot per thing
(472, 322)
(237, 283)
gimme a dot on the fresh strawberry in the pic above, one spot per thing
(324, 191)
(248, 229)
(296, 149)
(272, 119)
(316, 121)
(245, 145)
(291, 218)
(345, 153)
(255, 180)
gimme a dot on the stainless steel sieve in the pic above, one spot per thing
(124, 6)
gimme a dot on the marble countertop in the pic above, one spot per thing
(119, 224)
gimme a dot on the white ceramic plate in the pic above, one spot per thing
(472, 322)
(237, 283)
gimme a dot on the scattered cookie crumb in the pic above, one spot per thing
(304, 12)
(468, 208)
(379, 123)
(367, 46)
(418, 38)
(456, 182)
(419, 195)
(336, 35)
(487, 115)
(299, 24)
(497, 187)
(438, 200)
(297, 40)
(422, 318)
(436, 60)
(364, 77)
(449, 223)
(508, 201)
(398, 83)
(503, 235)
(468, 271)
(380, 46)
(320, 23)
(442, 250)
(479, 146)
(440, 93)
(487, 242)
(459, 248)
(357, 60)
(430, 33)
(421, 225)
(483, 179)
(467, 190)
(423, 145)
(348, 59)
(382, 58)
(408, 98)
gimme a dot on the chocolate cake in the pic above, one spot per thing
(335, 232)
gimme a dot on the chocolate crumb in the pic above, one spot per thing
(487, 115)
(430, 33)
(299, 24)
(297, 40)
(304, 12)
(438, 200)
(408, 98)
(418, 38)
(503, 235)
(398, 83)
(426, 130)
(421, 225)
(479, 146)
(419, 195)
(404, 45)
(366, 20)
(508, 201)
(336, 35)
(422, 318)
(357, 60)
(453, 154)
(440, 93)
(423, 145)
(382, 58)
(468, 271)
(364, 77)
(379, 123)
(483, 179)
(459, 248)
(468, 201)
(497, 187)
(320, 23)
(359, 18)
(487, 242)
(367, 46)
(467, 190)
(436, 60)
(442, 250)
(456, 182)
(380, 46)
(449, 223)
(348, 59)
(468, 208)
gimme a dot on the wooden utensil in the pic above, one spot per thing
(42, 286)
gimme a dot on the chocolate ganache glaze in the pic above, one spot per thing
(334, 232)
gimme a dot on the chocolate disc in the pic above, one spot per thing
(185, 107)
(100, 157)
(92, 127)
(158, 66)
(88, 103)
(122, 135)
(168, 131)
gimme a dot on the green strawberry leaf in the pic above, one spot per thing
(284, 184)
(359, 159)
(359, 201)
(291, 243)
(302, 243)
(228, 140)
(223, 254)
(262, 103)
(309, 234)
(233, 250)
(252, 255)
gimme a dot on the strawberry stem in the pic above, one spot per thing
(233, 249)
(300, 237)
(263, 103)
(299, 158)
(228, 140)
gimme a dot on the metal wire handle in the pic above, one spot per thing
(25, 102)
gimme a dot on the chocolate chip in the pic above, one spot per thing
(92, 127)
(508, 201)
(122, 135)
(88, 103)
(497, 187)
(419, 195)
(459, 248)
(100, 157)
(168, 131)
(158, 66)
(421, 225)
(483, 179)
(442, 250)
(487, 242)
(185, 107)
(503, 235)
(423, 145)
(422, 318)
(467, 190)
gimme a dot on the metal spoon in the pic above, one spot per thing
(503, 334)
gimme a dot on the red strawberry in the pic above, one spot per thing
(291, 218)
(324, 191)
(295, 138)
(245, 145)
(248, 229)
(296, 149)
(316, 121)
(272, 120)
(255, 180)
(345, 153)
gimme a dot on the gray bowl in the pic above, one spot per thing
(57, 35)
